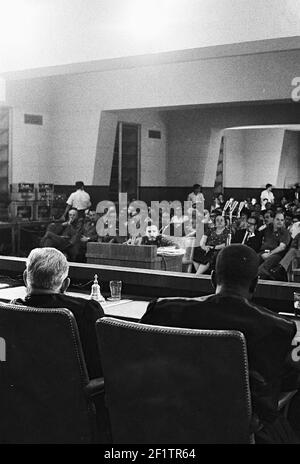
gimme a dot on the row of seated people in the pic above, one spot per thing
(269, 337)
(276, 242)
(71, 236)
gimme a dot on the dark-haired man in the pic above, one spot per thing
(268, 216)
(268, 336)
(249, 236)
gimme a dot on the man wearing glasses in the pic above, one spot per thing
(249, 236)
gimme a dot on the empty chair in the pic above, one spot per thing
(172, 385)
(45, 392)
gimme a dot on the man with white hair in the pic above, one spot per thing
(269, 337)
(46, 279)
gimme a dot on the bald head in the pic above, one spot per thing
(237, 265)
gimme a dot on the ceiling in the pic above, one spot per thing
(43, 33)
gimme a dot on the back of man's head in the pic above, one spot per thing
(79, 184)
(237, 266)
(46, 269)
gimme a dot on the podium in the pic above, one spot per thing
(140, 256)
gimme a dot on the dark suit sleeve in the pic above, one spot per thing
(93, 310)
(147, 317)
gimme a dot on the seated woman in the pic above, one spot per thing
(205, 255)
(65, 236)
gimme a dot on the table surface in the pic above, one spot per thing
(124, 308)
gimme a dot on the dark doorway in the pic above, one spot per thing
(125, 171)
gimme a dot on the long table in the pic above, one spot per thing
(125, 308)
(146, 283)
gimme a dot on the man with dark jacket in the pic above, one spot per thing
(268, 336)
(65, 236)
(46, 279)
(249, 236)
(276, 240)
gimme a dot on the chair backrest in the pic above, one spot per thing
(173, 385)
(42, 398)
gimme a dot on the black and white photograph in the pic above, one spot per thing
(150, 225)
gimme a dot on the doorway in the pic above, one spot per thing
(125, 172)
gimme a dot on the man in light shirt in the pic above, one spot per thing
(267, 196)
(196, 196)
(79, 200)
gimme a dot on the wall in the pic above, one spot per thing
(252, 157)
(194, 141)
(72, 146)
(32, 145)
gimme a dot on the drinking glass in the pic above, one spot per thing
(115, 289)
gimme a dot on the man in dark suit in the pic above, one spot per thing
(249, 236)
(46, 279)
(268, 336)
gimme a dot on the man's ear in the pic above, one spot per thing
(213, 279)
(25, 277)
(253, 285)
(65, 285)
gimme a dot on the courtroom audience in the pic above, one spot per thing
(268, 218)
(249, 235)
(252, 223)
(268, 336)
(153, 237)
(280, 271)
